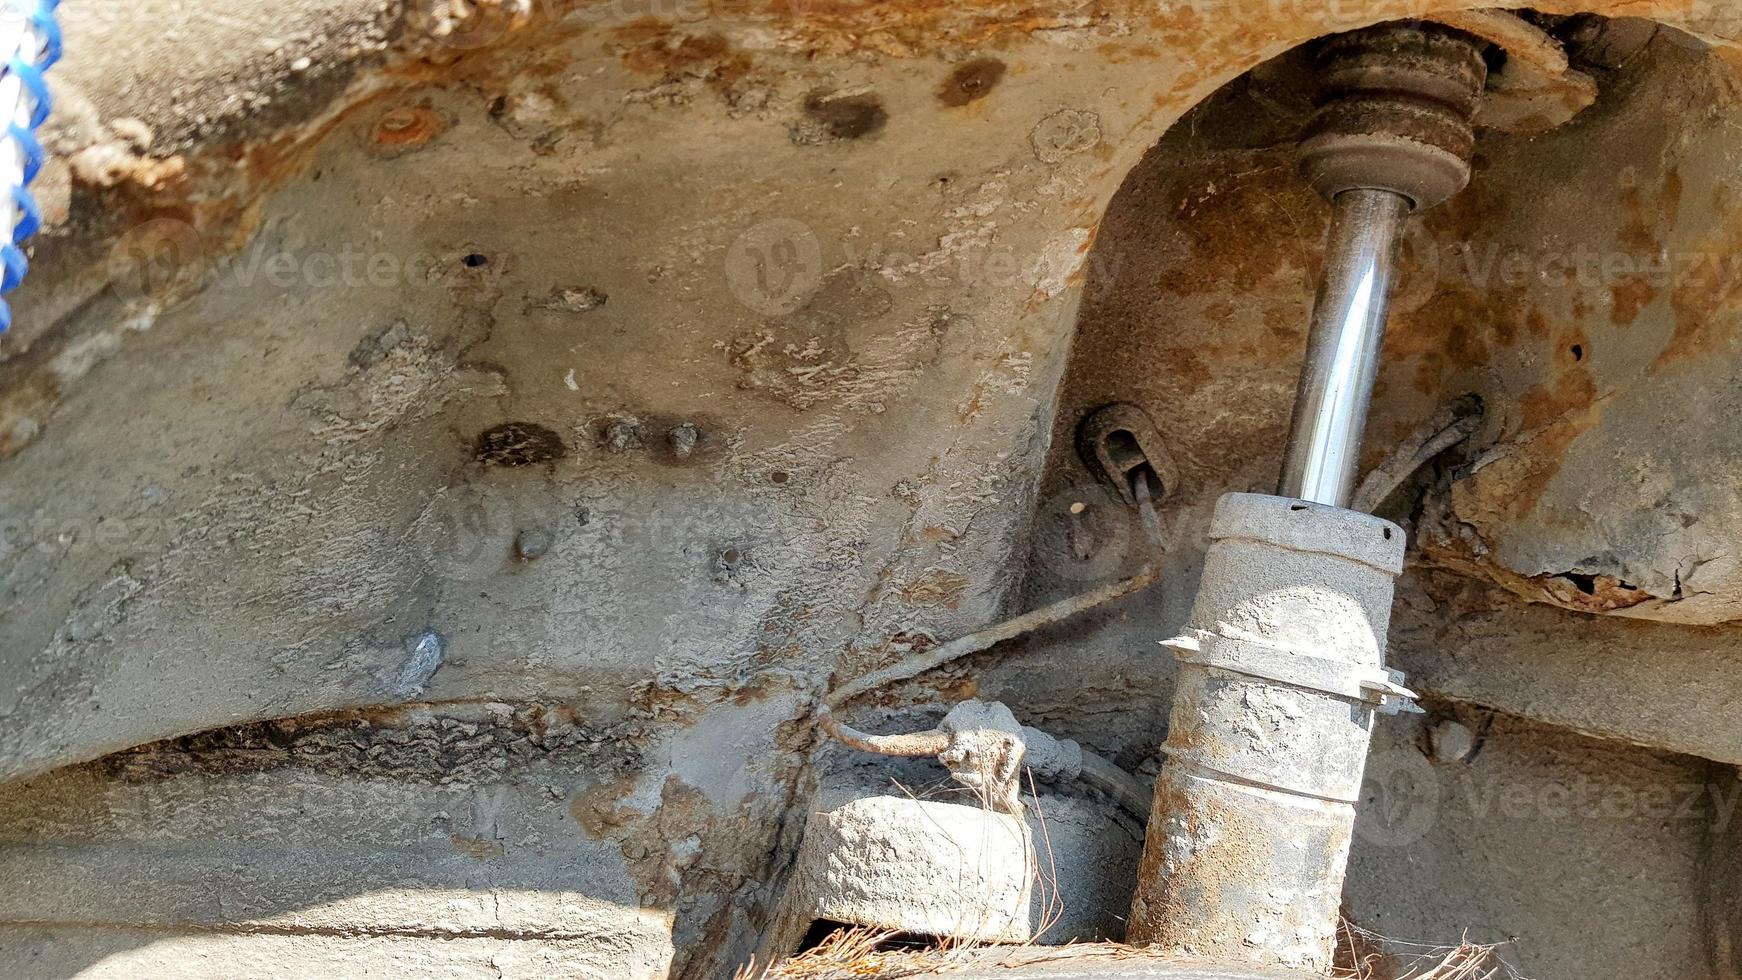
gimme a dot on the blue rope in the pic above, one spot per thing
(14, 265)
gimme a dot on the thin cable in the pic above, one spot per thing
(1132, 796)
(1097, 771)
(1449, 426)
(1028, 622)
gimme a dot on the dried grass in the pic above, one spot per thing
(1366, 955)
(862, 954)
(867, 954)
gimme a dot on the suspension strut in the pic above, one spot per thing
(1281, 665)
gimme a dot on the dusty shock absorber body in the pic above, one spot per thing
(1281, 666)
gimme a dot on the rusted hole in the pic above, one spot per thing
(1589, 592)
(846, 117)
(406, 128)
(971, 81)
(518, 444)
(1578, 352)
(1588, 583)
(475, 260)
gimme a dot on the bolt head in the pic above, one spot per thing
(532, 544)
(1451, 741)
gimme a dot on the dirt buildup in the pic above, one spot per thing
(518, 444)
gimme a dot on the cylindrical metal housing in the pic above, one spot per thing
(1342, 359)
(1267, 741)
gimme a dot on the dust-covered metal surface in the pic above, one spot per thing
(653, 363)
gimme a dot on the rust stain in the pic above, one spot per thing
(478, 847)
(1639, 222)
(600, 811)
(1286, 326)
(654, 47)
(957, 689)
(935, 588)
(1589, 593)
(1203, 860)
(1705, 299)
(1459, 328)
(911, 28)
(1628, 297)
(1512, 485)
(971, 81)
(1646, 220)
(1574, 591)
(1116, 53)
(406, 128)
(970, 410)
(1570, 391)
(1190, 366)
(1230, 224)
(1553, 416)
(1730, 53)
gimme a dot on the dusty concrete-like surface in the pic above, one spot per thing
(1539, 836)
(434, 839)
(188, 70)
(655, 365)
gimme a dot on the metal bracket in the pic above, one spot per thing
(1379, 686)
(1119, 443)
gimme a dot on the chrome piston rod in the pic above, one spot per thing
(1342, 360)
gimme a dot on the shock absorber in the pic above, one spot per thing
(30, 43)
(1281, 666)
